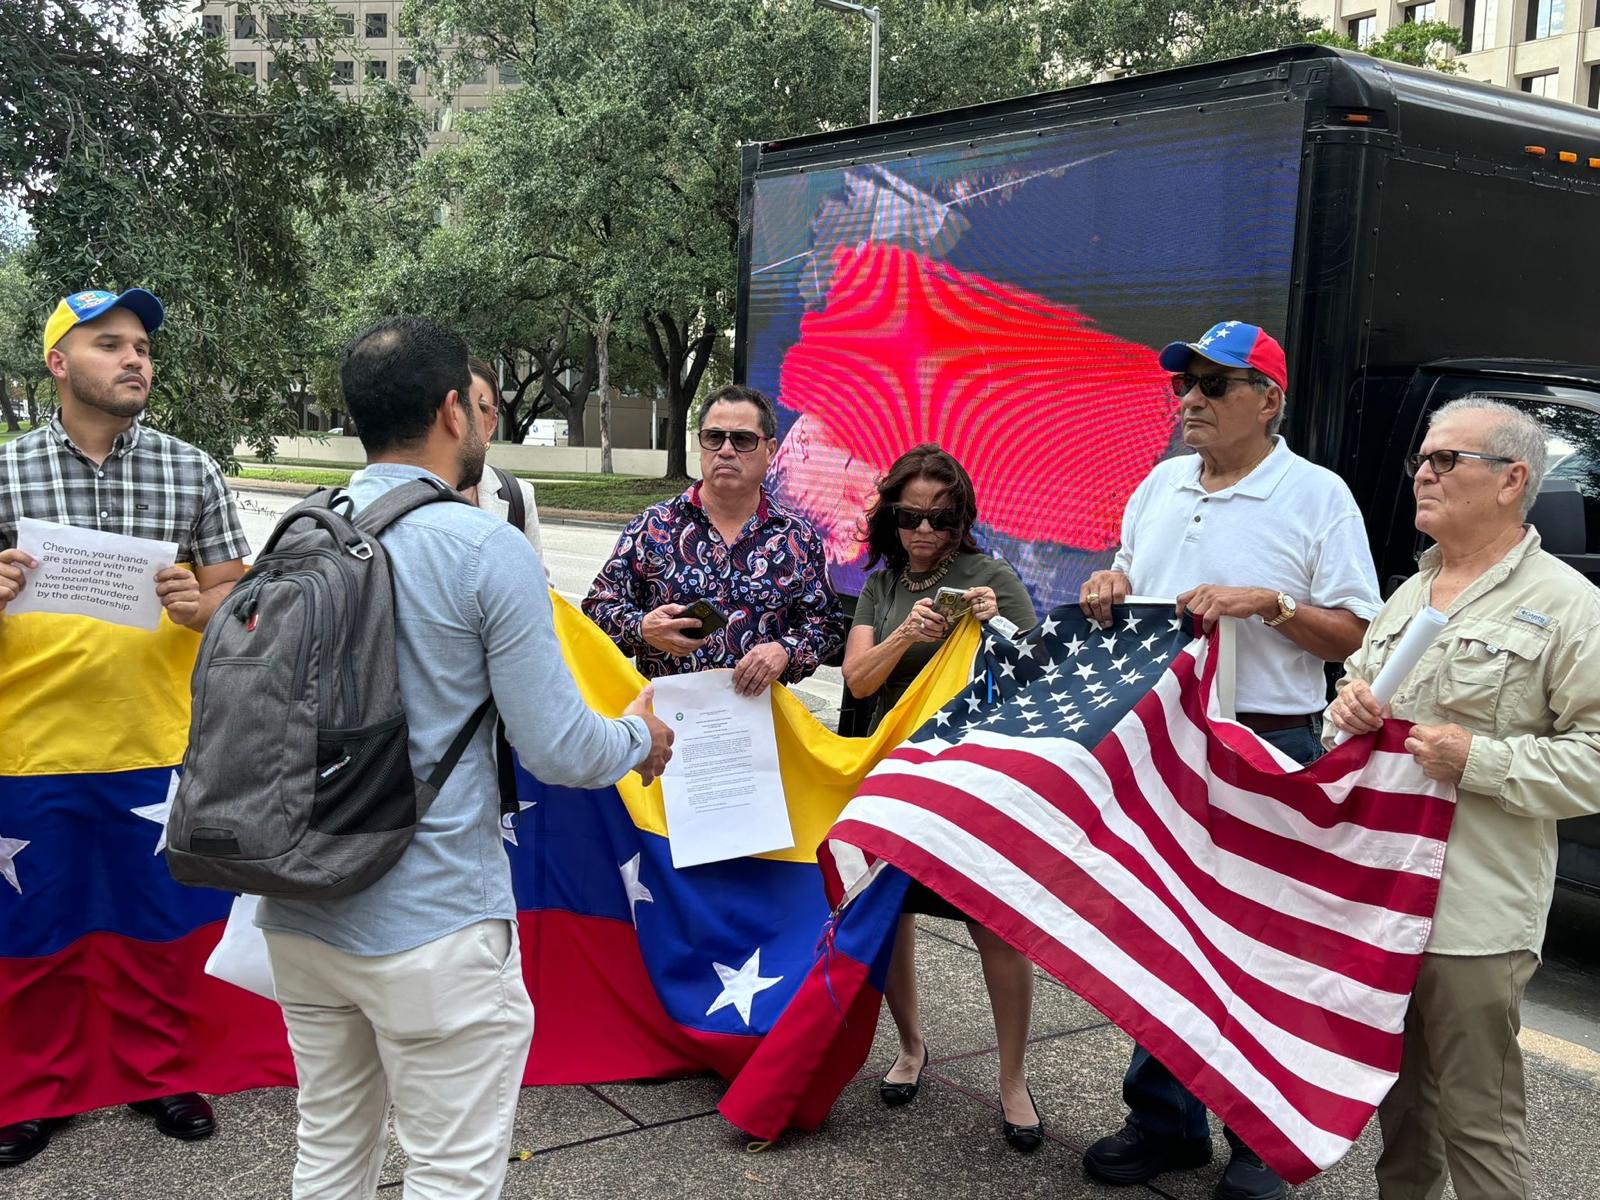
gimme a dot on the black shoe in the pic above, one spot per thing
(896, 1094)
(1131, 1156)
(185, 1116)
(20, 1142)
(1248, 1178)
(1024, 1138)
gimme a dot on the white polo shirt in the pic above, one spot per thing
(1289, 525)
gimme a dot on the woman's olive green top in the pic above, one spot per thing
(885, 601)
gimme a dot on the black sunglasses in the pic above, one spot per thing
(1212, 387)
(940, 520)
(743, 440)
(1444, 461)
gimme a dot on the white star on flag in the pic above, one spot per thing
(1025, 649)
(9, 849)
(1085, 671)
(739, 987)
(508, 822)
(1050, 626)
(637, 892)
(942, 717)
(160, 812)
(972, 704)
(1007, 670)
(1148, 642)
(1132, 623)
(1074, 647)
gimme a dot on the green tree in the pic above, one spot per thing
(1432, 44)
(140, 157)
(1138, 36)
(23, 309)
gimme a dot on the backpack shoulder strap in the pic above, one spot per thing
(511, 493)
(398, 501)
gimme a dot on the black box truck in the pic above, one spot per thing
(998, 279)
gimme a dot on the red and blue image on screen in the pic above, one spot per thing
(1007, 300)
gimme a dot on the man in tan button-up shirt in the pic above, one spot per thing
(1507, 707)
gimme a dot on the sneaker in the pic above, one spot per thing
(1131, 1156)
(1248, 1178)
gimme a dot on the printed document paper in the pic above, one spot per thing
(724, 795)
(91, 574)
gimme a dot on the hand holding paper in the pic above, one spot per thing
(1419, 635)
(88, 573)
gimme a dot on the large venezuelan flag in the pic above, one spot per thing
(103, 996)
(640, 970)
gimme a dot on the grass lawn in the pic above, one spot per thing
(620, 494)
(6, 436)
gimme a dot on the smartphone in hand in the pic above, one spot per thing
(708, 614)
(951, 604)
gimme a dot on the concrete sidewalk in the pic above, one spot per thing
(636, 1142)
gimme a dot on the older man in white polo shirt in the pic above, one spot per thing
(1244, 527)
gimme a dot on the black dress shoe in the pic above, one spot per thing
(20, 1142)
(1024, 1138)
(185, 1116)
(896, 1094)
(1248, 1178)
(1131, 1156)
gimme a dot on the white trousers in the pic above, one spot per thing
(442, 1031)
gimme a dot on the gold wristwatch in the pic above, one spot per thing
(1286, 609)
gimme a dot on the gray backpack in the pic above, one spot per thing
(298, 781)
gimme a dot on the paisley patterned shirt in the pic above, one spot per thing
(772, 584)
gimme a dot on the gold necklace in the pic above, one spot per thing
(939, 573)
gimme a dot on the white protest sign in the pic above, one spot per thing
(86, 573)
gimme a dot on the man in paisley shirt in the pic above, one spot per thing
(728, 542)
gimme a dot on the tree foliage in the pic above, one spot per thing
(140, 157)
(1431, 44)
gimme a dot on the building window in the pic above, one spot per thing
(274, 71)
(1594, 87)
(377, 25)
(211, 26)
(509, 73)
(1546, 18)
(477, 79)
(344, 71)
(1363, 30)
(405, 71)
(347, 23)
(244, 25)
(377, 68)
(1540, 85)
(1414, 13)
(247, 69)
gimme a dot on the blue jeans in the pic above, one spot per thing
(1157, 1103)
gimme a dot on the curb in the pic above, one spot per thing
(578, 517)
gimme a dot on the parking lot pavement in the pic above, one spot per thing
(638, 1142)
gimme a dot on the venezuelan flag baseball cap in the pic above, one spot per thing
(1232, 344)
(82, 307)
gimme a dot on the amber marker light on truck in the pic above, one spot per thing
(1537, 150)
(1567, 156)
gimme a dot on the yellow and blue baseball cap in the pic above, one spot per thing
(82, 307)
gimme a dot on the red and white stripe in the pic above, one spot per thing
(1256, 925)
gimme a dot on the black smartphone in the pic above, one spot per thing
(709, 616)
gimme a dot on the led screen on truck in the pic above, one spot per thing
(1007, 300)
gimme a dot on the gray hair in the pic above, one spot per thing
(1514, 435)
(1261, 381)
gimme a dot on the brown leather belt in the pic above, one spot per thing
(1276, 722)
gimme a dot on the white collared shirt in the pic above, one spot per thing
(1289, 525)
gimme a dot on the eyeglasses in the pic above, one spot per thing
(1212, 387)
(1444, 461)
(743, 440)
(940, 520)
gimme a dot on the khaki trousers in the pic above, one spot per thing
(442, 1031)
(1459, 1102)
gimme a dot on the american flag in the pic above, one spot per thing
(1256, 925)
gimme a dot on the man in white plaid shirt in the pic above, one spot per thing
(95, 466)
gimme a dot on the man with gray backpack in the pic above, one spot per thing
(341, 765)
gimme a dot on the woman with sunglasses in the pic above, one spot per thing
(920, 529)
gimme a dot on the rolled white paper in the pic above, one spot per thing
(1419, 635)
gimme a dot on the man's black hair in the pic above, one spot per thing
(737, 393)
(396, 374)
